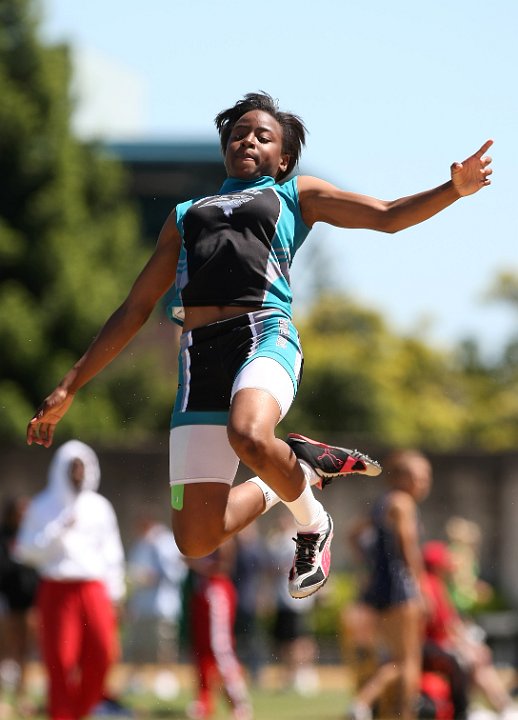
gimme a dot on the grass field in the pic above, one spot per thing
(269, 701)
(268, 705)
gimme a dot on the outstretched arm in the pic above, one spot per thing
(154, 280)
(322, 202)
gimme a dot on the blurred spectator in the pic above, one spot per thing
(389, 538)
(212, 612)
(446, 630)
(359, 621)
(18, 585)
(155, 573)
(70, 534)
(294, 639)
(360, 641)
(437, 655)
(251, 566)
(466, 588)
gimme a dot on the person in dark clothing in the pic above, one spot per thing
(251, 564)
(18, 585)
(393, 585)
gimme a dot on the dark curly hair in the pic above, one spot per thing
(293, 128)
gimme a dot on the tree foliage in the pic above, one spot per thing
(69, 241)
(493, 400)
(363, 380)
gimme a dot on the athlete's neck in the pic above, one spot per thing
(232, 184)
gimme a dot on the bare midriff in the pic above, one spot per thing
(196, 317)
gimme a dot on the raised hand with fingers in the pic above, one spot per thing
(42, 425)
(472, 174)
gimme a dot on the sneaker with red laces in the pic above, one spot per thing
(312, 562)
(329, 461)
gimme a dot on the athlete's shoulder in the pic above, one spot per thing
(310, 184)
(289, 190)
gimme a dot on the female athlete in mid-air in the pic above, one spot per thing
(240, 359)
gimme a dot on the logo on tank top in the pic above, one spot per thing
(228, 203)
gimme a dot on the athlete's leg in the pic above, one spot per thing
(211, 513)
(262, 394)
(400, 631)
(267, 359)
(251, 425)
(204, 461)
(253, 418)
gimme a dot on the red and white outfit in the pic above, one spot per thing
(72, 538)
(213, 610)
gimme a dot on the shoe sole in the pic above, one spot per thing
(372, 467)
(317, 588)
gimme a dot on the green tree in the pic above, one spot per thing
(492, 383)
(69, 248)
(361, 380)
(505, 288)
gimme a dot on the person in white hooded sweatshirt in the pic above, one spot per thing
(71, 535)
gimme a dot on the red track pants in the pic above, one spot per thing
(213, 610)
(78, 644)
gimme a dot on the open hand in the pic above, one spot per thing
(472, 174)
(40, 429)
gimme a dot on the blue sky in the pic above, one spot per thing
(392, 94)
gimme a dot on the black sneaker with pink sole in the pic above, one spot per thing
(331, 462)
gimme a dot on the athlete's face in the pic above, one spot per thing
(255, 147)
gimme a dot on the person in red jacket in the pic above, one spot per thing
(447, 634)
(438, 656)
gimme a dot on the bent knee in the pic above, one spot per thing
(250, 444)
(196, 536)
(193, 546)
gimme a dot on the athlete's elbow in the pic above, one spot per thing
(134, 314)
(196, 547)
(383, 218)
(396, 216)
(390, 222)
(392, 229)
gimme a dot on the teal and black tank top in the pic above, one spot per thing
(238, 246)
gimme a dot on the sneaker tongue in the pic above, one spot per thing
(305, 552)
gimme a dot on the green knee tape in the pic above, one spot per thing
(177, 497)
